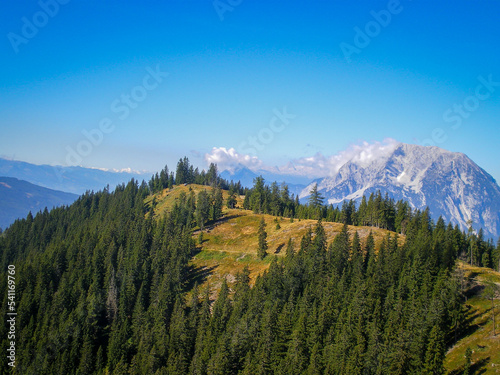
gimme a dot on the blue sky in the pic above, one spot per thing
(152, 81)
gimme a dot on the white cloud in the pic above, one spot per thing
(229, 159)
(367, 152)
(320, 165)
(314, 166)
(123, 170)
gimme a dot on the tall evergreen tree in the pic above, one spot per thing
(202, 208)
(262, 234)
(231, 199)
(315, 198)
(434, 356)
(217, 204)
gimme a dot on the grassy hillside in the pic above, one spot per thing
(479, 332)
(230, 244)
(166, 199)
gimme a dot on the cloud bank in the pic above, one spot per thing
(314, 166)
(229, 159)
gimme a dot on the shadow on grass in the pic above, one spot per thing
(212, 224)
(476, 368)
(198, 275)
(279, 248)
(480, 366)
(474, 291)
(197, 250)
(468, 327)
(472, 275)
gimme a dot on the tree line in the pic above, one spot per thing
(376, 211)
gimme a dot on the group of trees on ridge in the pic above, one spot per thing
(102, 287)
(275, 199)
(187, 174)
(375, 211)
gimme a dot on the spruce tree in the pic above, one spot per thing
(490, 294)
(217, 204)
(258, 197)
(231, 200)
(202, 208)
(435, 352)
(315, 198)
(262, 249)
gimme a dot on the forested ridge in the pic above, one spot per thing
(103, 287)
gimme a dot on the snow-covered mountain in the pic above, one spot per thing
(449, 183)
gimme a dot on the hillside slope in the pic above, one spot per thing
(230, 244)
(479, 332)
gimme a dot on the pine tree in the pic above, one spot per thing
(164, 173)
(217, 204)
(315, 197)
(231, 200)
(182, 174)
(435, 353)
(496, 256)
(212, 175)
(471, 241)
(202, 208)
(262, 249)
(87, 359)
(490, 294)
(339, 250)
(258, 197)
(356, 264)
(369, 259)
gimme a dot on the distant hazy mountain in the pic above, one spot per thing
(70, 179)
(18, 198)
(246, 176)
(241, 174)
(449, 183)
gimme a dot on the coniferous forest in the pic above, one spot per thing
(104, 287)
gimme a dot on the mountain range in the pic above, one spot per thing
(76, 180)
(19, 197)
(449, 183)
(26, 187)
